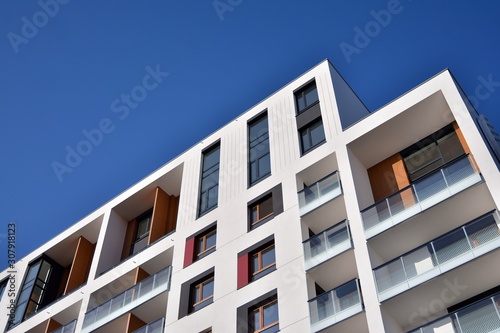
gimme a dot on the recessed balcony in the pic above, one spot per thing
(451, 250)
(430, 190)
(68, 328)
(319, 193)
(327, 244)
(335, 305)
(479, 317)
(129, 299)
(155, 327)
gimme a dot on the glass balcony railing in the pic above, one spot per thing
(335, 305)
(479, 317)
(424, 193)
(68, 328)
(127, 300)
(437, 257)
(327, 244)
(319, 193)
(154, 327)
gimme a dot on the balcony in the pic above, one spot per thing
(127, 300)
(68, 328)
(319, 193)
(335, 305)
(437, 257)
(327, 244)
(154, 327)
(480, 317)
(426, 192)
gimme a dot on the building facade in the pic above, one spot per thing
(307, 213)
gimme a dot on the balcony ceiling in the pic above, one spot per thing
(408, 127)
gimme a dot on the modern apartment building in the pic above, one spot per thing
(306, 213)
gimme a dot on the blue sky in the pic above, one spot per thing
(158, 76)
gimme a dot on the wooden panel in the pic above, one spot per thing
(164, 218)
(140, 275)
(383, 179)
(64, 281)
(81, 264)
(159, 219)
(460, 136)
(464, 144)
(52, 325)
(172, 214)
(133, 323)
(129, 238)
(388, 177)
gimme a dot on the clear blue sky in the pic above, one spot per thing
(68, 68)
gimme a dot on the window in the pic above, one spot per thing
(205, 243)
(209, 188)
(306, 97)
(264, 317)
(202, 293)
(258, 146)
(432, 152)
(200, 244)
(263, 261)
(259, 315)
(142, 234)
(40, 287)
(197, 293)
(312, 135)
(256, 261)
(261, 211)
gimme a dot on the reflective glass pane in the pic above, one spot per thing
(208, 289)
(270, 313)
(268, 257)
(211, 238)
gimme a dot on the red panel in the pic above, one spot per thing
(189, 252)
(243, 274)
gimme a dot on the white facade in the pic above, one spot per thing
(393, 298)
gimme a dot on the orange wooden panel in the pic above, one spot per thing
(464, 144)
(52, 325)
(81, 264)
(159, 219)
(129, 238)
(172, 214)
(140, 275)
(383, 179)
(133, 323)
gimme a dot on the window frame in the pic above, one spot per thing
(276, 194)
(243, 312)
(260, 219)
(206, 176)
(261, 271)
(259, 308)
(137, 239)
(255, 144)
(204, 235)
(301, 93)
(432, 141)
(187, 293)
(307, 128)
(198, 304)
